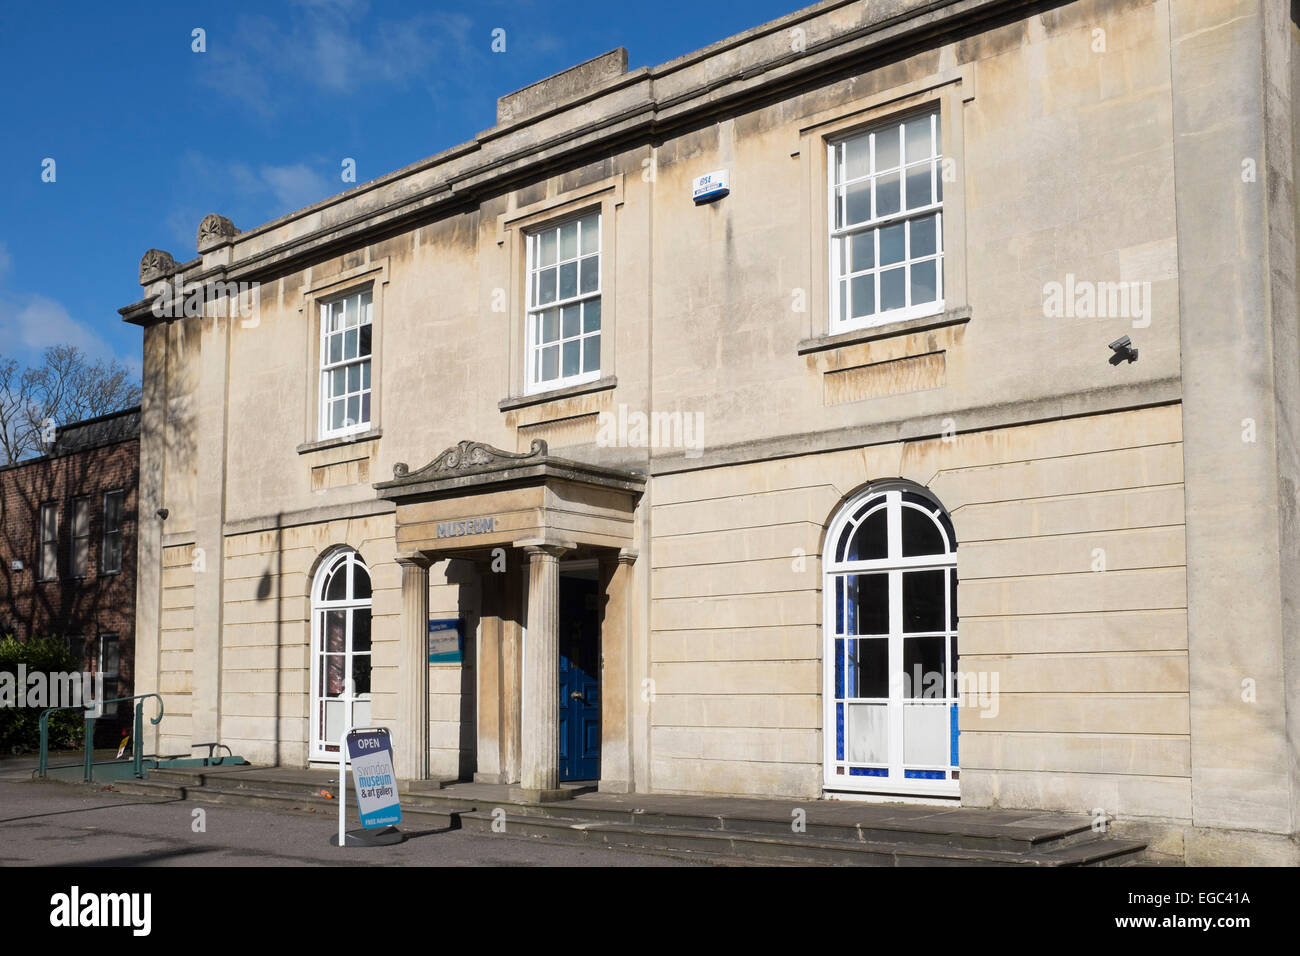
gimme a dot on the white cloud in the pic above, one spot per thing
(295, 186)
(31, 323)
(183, 226)
(36, 322)
(250, 195)
(334, 47)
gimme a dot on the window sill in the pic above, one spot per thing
(522, 401)
(957, 316)
(339, 440)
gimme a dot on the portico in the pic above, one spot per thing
(516, 518)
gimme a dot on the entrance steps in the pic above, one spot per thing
(711, 829)
(285, 790)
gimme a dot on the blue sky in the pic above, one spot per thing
(148, 136)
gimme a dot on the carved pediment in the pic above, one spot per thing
(215, 230)
(155, 264)
(469, 458)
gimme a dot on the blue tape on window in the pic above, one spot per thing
(851, 606)
(868, 772)
(839, 730)
(923, 774)
(839, 605)
(955, 733)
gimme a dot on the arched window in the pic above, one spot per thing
(340, 671)
(890, 644)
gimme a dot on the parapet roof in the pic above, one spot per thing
(581, 112)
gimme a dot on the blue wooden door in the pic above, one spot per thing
(579, 679)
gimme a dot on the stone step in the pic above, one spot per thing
(961, 834)
(1103, 851)
(274, 799)
(968, 835)
(228, 780)
(149, 787)
(736, 836)
(294, 784)
(791, 848)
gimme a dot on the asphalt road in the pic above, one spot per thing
(59, 824)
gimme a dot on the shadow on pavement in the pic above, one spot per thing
(109, 806)
(139, 859)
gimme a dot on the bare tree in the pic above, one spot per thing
(16, 439)
(65, 387)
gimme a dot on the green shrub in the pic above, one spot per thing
(20, 726)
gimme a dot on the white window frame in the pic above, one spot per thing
(321, 748)
(80, 555)
(533, 383)
(836, 178)
(327, 368)
(889, 496)
(48, 542)
(112, 533)
(113, 691)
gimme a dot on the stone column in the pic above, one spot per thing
(488, 729)
(411, 735)
(512, 675)
(541, 731)
(615, 633)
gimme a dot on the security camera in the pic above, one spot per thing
(1123, 349)
(163, 513)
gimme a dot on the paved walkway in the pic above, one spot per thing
(21, 768)
(53, 824)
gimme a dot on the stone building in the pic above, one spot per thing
(68, 549)
(663, 434)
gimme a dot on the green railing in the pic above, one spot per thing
(137, 743)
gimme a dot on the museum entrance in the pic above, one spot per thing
(579, 640)
(552, 539)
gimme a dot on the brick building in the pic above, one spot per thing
(68, 546)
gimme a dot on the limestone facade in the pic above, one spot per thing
(1108, 168)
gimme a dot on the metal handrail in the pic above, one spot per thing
(88, 763)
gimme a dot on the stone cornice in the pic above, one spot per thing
(645, 103)
(468, 458)
(1103, 400)
(469, 465)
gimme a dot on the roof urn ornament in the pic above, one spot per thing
(156, 264)
(214, 231)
